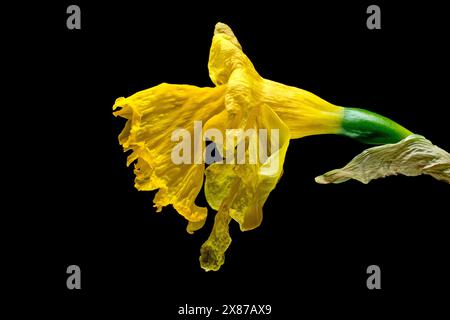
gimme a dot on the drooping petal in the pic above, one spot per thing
(212, 252)
(153, 115)
(412, 156)
(239, 191)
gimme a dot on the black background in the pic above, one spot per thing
(316, 241)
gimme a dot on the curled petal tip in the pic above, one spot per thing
(225, 30)
(118, 103)
(321, 180)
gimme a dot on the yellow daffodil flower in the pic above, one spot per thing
(240, 100)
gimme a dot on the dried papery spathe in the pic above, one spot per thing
(412, 156)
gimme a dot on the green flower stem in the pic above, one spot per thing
(371, 128)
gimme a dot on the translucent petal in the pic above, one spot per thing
(239, 191)
(212, 252)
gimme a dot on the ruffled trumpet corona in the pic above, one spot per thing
(231, 114)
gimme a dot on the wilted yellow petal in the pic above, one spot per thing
(256, 180)
(152, 115)
(240, 190)
(302, 111)
(212, 252)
